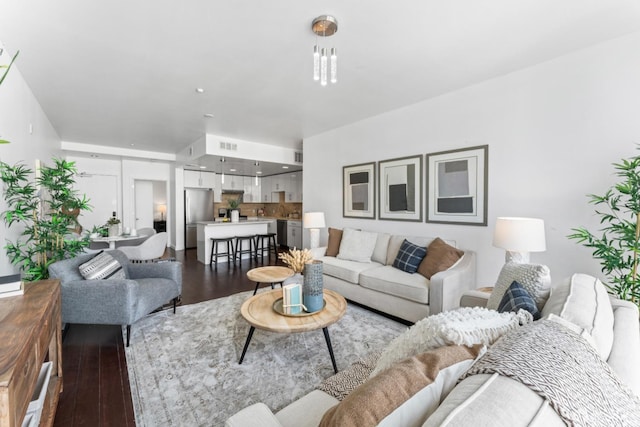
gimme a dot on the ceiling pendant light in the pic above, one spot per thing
(316, 63)
(222, 176)
(256, 164)
(324, 26)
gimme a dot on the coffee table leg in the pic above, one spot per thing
(246, 345)
(256, 289)
(333, 359)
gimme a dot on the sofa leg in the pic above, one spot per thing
(175, 301)
(128, 334)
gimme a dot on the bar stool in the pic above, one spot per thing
(271, 245)
(215, 253)
(239, 251)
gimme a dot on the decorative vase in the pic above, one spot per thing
(235, 215)
(114, 230)
(312, 295)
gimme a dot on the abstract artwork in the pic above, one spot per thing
(457, 186)
(401, 189)
(358, 191)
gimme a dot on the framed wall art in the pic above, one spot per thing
(457, 186)
(400, 189)
(358, 191)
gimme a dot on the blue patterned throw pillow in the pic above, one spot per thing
(409, 257)
(517, 297)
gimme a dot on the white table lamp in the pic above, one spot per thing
(314, 221)
(519, 236)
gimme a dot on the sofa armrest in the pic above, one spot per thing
(164, 270)
(447, 286)
(474, 298)
(98, 301)
(256, 415)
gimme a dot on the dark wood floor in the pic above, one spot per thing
(96, 383)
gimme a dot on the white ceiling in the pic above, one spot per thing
(123, 73)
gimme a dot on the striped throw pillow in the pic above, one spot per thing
(102, 266)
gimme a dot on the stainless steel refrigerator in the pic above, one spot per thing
(198, 206)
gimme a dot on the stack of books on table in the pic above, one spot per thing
(11, 286)
(292, 299)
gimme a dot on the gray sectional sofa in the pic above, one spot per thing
(379, 285)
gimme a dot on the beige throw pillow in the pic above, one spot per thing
(440, 257)
(391, 398)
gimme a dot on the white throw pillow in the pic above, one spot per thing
(463, 326)
(357, 245)
(583, 300)
(535, 278)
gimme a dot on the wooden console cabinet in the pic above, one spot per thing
(30, 334)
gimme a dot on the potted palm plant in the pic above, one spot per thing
(617, 244)
(41, 207)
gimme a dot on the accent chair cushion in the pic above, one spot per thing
(515, 298)
(333, 245)
(409, 257)
(583, 300)
(535, 278)
(357, 245)
(440, 256)
(102, 266)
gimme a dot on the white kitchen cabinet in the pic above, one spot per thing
(294, 234)
(265, 189)
(251, 190)
(293, 187)
(199, 179)
(233, 182)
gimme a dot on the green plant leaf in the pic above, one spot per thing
(8, 67)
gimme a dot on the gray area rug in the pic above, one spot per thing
(184, 371)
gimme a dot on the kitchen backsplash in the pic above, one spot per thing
(275, 210)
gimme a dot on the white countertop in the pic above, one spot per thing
(243, 222)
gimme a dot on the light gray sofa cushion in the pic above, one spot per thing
(349, 271)
(583, 300)
(390, 280)
(493, 401)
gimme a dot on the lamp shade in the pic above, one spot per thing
(519, 234)
(313, 220)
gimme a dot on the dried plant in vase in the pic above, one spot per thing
(296, 258)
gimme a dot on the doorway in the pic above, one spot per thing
(150, 204)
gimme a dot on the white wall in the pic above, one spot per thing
(32, 137)
(553, 131)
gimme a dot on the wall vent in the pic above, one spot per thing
(231, 146)
(297, 157)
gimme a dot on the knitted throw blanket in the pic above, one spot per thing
(564, 369)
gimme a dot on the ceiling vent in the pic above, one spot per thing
(297, 157)
(230, 146)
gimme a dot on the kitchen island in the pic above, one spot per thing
(213, 229)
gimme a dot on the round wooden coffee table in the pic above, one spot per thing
(270, 274)
(258, 311)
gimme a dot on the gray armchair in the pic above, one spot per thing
(116, 302)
